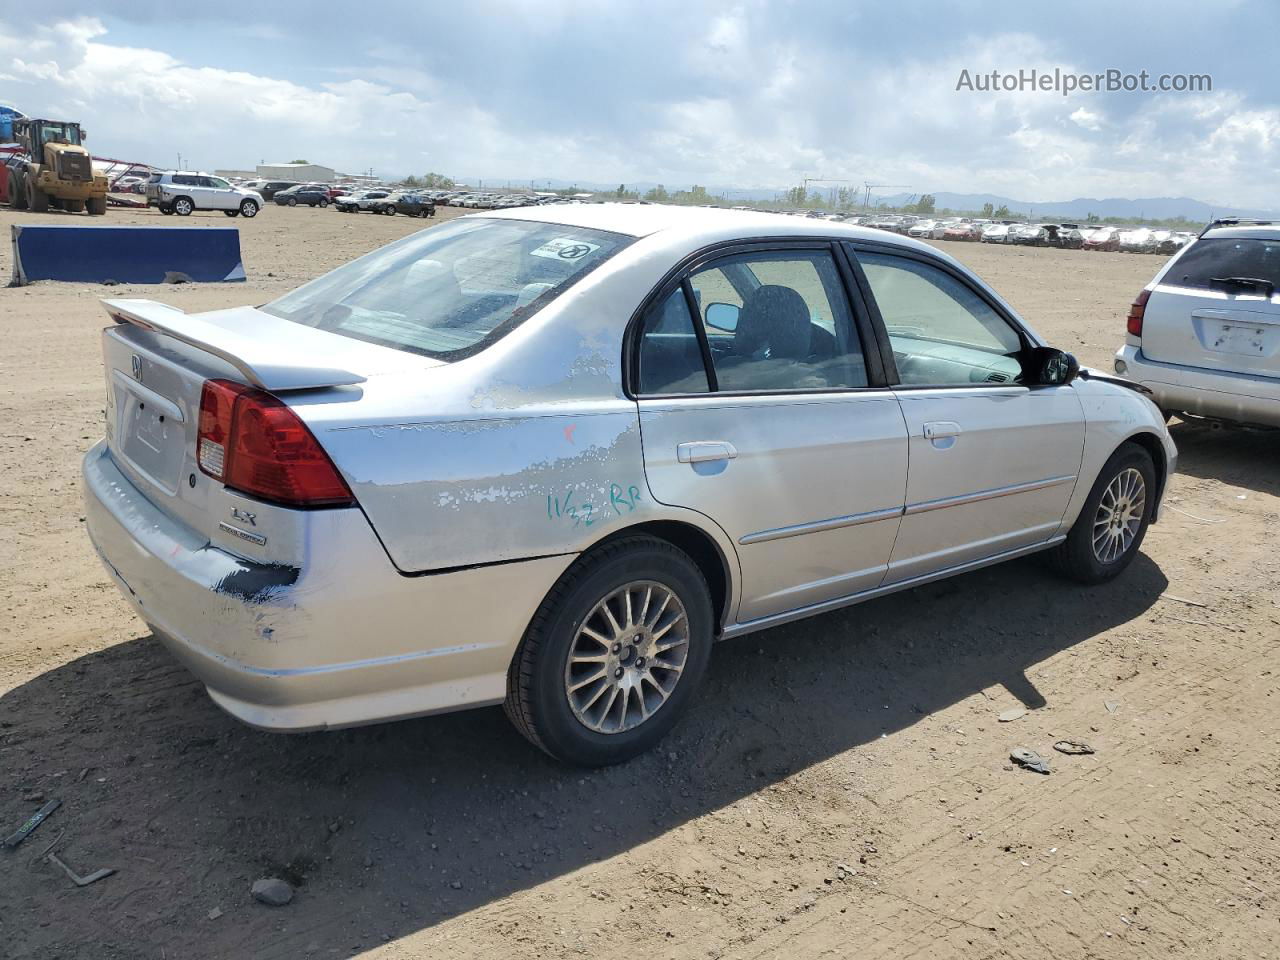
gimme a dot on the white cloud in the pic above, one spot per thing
(1089, 119)
(738, 102)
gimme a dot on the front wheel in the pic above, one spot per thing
(249, 209)
(293, 201)
(1106, 536)
(614, 653)
(323, 204)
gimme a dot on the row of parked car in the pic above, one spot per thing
(1069, 236)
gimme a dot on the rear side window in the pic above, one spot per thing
(452, 290)
(670, 354)
(1221, 257)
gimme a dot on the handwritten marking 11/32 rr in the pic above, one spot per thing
(582, 511)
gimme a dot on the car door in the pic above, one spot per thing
(992, 461)
(761, 409)
(218, 194)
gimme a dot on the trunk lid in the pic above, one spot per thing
(1235, 332)
(156, 360)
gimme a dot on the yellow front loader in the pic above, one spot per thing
(58, 172)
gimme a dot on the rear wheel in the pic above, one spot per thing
(183, 206)
(18, 191)
(249, 208)
(73, 206)
(614, 653)
(166, 209)
(37, 199)
(232, 213)
(323, 204)
(1106, 536)
(97, 206)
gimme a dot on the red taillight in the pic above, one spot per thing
(254, 443)
(1136, 311)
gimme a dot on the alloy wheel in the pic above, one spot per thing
(1119, 515)
(627, 658)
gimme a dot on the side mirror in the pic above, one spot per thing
(1051, 367)
(722, 316)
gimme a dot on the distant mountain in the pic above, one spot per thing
(1144, 208)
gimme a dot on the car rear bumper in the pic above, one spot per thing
(1208, 393)
(341, 639)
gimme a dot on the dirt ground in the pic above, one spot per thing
(842, 788)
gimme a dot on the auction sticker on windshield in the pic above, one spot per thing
(565, 248)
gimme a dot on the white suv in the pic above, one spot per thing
(1204, 335)
(181, 193)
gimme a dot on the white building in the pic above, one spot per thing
(302, 172)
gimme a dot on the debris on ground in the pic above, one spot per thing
(272, 891)
(1029, 759)
(1111, 705)
(33, 821)
(215, 913)
(78, 880)
(1013, 713)
(1073, 747)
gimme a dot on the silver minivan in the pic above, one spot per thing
(1204, 335)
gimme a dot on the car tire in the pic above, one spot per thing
(553, 714)
(293, 201)
(96, 206)
(248, 209)
(232, 213)
(323, 204)
(389, 210)
(1112, 524)
(165, 209)
(183, 206)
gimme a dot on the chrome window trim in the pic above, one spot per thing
(817, 526)
(925, 506)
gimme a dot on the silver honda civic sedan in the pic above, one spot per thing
(546, 457)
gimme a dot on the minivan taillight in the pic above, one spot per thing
(1136, 311)
(254, 443)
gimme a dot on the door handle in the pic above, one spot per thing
(941, 429)
(702, 451)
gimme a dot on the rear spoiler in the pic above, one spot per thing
(278, 357)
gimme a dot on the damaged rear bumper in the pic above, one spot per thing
(339, 639)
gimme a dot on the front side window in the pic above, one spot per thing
(942, 332)
(452, 290)
(778, 320)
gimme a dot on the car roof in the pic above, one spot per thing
(1261, 231)
(644, 220)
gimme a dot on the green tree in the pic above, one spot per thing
(658, 194)
(438, 181)
(299, 161)
(411, 181)
(797, 197)
(1002, 213)
(988, 210)
(621, 191)
(926, 203)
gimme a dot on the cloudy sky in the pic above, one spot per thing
(672, 91)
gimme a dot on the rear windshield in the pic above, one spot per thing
(1222, 257)
(452, 290)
